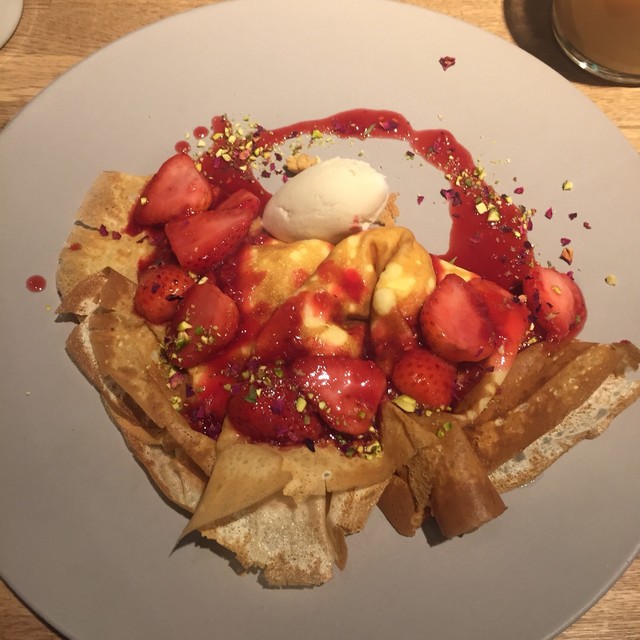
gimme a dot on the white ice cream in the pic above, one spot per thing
(329, 201)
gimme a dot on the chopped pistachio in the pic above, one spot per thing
(494, 215)
(406, 403)
(567, 255)
(252, 395)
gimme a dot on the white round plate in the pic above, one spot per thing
(10, 12)
(87, 541)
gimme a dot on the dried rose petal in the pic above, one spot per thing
(564, 241)
(388, 125)
(103, 231)
(176, 379)
(452, 195)
(446, 62)
(519, 190)
(586, 225)
(419, 199)
(573, 216)
(548, 214)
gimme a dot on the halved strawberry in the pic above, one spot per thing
(204, 239)
(345, 391)
(177, 188)
(205, 322)
(240, 199)
(455, 322)
(425, 377)
(509, 317)
(212, 383)
(556, 303)
(269, 407)
(160, 289)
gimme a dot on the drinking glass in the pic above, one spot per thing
(601, 36)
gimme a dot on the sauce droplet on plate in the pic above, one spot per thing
(36, 283)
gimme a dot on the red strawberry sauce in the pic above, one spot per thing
(498, 249)
(36, 283)
(488, 236)
(488, 232)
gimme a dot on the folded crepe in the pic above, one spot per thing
(553, 397)
(233, 487)
(285, 511)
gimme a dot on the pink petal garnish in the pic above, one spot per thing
(446, 62)
(388, 125)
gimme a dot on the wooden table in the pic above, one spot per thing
(53, 35)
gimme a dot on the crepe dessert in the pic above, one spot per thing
(282, 364)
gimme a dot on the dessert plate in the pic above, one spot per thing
(87, 541)
(10, 13)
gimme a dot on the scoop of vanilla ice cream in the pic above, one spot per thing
(328, 201)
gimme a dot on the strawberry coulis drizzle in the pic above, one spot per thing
(497, 250)
(494, 247)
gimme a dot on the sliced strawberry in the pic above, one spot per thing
(159, 292)
(425, 377)
(240, 199)
(204, 239)
(556, 303)
(205, 322)
(177, 188)
(211, 387)
(509, 317)
(268, 407)
(346, 391)
(455, 322)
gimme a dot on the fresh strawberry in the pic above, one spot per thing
(206, 321)
(160, 289)
(240, 199)
(455, 322)
(211, 383)
(425, 377)
(177, 188)
(509, 317)
(555, 302)
(346, 391)
(269, 407)
(204, 239)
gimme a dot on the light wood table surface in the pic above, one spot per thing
(53, 35)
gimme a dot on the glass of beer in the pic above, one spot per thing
(601, 36)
